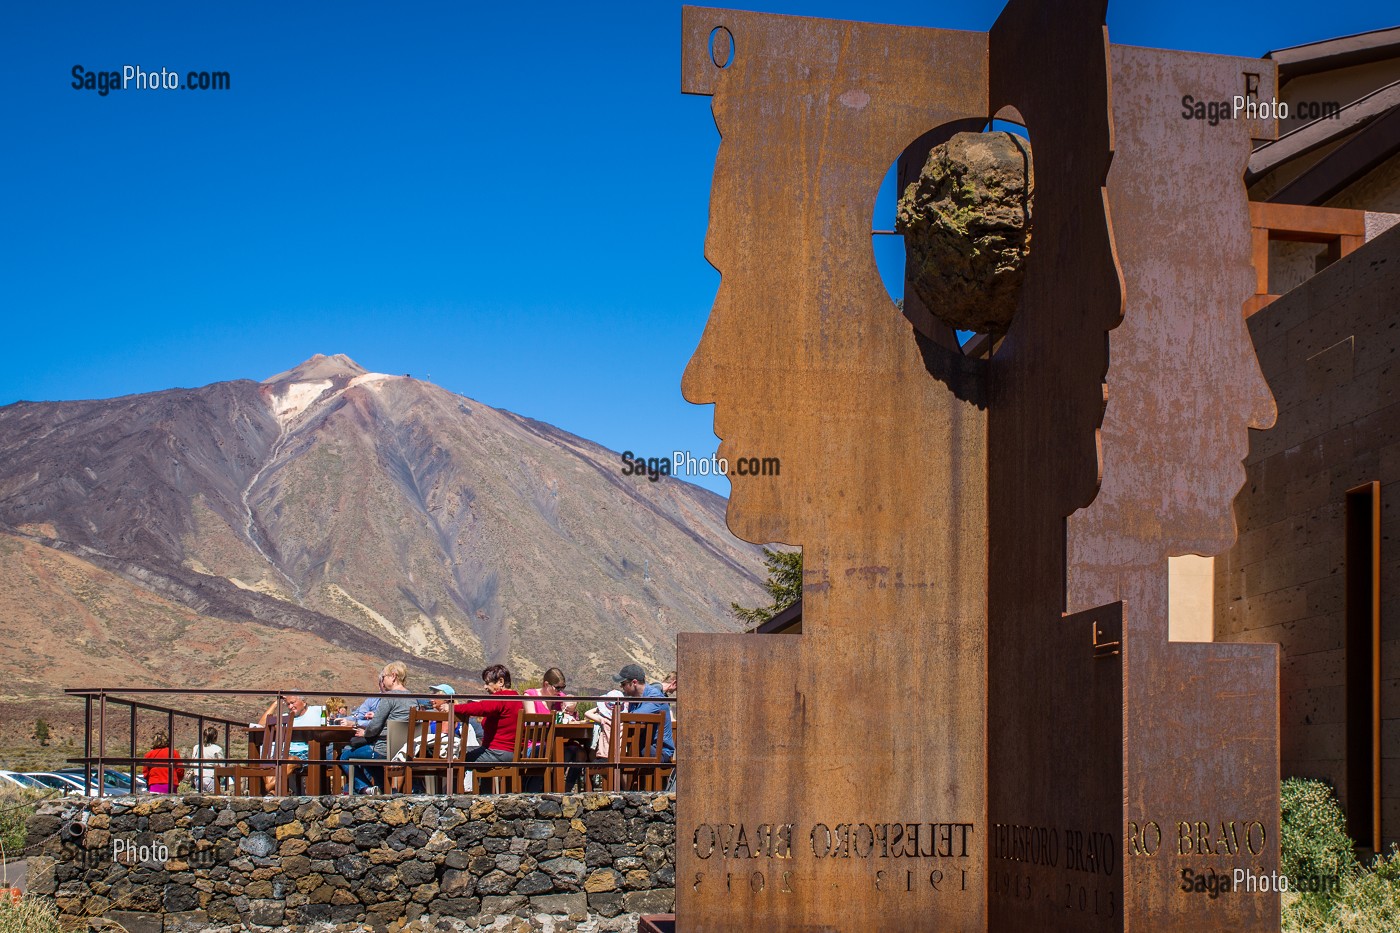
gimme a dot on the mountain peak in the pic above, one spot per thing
(320, 366)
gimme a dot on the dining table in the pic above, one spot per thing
(564, 732)
(318, 738)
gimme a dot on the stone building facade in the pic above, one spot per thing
(1312, 569)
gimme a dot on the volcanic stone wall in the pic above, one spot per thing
(155, 863)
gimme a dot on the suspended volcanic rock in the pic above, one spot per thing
(966, 226)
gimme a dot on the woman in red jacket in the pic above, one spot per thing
(158, 777)
(498, 717)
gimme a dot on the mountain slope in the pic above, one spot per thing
(379, 515)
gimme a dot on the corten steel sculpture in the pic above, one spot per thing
(849, 757)
(1054, 748)
(902, 764)
(1201, 720)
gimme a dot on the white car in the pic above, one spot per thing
(15, 779)
(69, 783)
(118, 782)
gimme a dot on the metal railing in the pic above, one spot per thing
(97, 700)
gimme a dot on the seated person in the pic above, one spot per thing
(336, 710)
(375, 732)
(162, 778)
(554, 685)
(363, 713)
(440, 704)
(301, 716)
(658, 691)
(551, 685)
(601, 715)
(498, 717)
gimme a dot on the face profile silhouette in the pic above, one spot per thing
(804, 355)
(1185, 386)
(882, 479)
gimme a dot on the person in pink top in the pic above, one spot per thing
(553, 685)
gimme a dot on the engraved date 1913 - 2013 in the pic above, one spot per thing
(884, 880)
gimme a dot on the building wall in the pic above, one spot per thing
(1339, 85)
(1330, 350)
(1379, 190)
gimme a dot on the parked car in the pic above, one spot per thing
(73, 784)
(51, 781)
(114, 778)
(15, 779)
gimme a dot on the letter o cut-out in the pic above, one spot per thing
(721, 47)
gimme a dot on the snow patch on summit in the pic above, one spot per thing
(297, 398)
(370, 378)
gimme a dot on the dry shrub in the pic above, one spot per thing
(30, 915)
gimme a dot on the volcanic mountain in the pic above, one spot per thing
(312, 525)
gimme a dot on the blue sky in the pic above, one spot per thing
(510, 198)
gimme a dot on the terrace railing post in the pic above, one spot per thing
(279, 736)
(87, 734)
(199, 748)
(452, 736)
(614, 752)
(170, 781)
(131, 761)
(101, 730)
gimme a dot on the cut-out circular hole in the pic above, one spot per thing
(887, 245)
(957, 252)
(721, 47)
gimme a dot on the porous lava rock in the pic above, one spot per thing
(966, 223)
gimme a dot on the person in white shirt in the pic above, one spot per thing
(601, 716)
(204, 774)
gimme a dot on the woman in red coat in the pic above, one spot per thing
(158, 777)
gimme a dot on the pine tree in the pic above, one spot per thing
(41, 732)
(784, 584)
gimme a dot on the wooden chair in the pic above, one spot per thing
(664, 775)
(276, 741)
(395, 738)
(535, 743)
(638, 745)
(534, 734)
(601, 766)
(430, 751)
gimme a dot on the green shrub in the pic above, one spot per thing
(1367, 901)
(1312, 833)
(16, 807)
(28, 916)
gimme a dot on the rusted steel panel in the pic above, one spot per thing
(861, 808)
(1200, 721)
(1054, 748)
